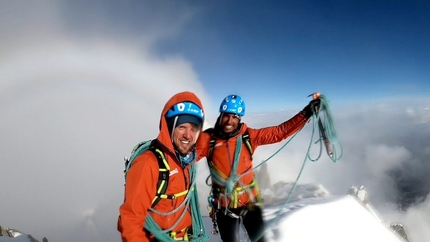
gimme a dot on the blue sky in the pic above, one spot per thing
(276, 52)
(273, 53)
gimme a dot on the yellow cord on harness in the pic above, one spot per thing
(239, 190)
(174, 196)
(184, 238)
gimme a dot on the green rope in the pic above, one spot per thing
(230, 183)
(199, 229)
(327, 122)
(191, 201)
(233, 178)
(331, 138)
(323, 122)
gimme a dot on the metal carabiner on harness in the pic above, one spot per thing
(215, 226)
(213, 209)
(211, 201)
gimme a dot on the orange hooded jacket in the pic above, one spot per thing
(141, 185)
(224, 150)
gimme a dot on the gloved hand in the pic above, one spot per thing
(313, 106)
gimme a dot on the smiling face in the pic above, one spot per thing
(184, 137)
(229, 122)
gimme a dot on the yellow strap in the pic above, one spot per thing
(167, 168)
(164, 160)
(181, 194)
(161, 187)
(153, 200)
(249, 186)
(174, 196)
(184, 238)
(238, 190)
(235, 199)
(222, 175)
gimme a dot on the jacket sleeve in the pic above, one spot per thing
(140, 189)
(202, 145)
(275, 134)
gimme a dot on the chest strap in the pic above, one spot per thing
(163, 179)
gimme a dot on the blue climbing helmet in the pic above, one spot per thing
(186, 109)
(232, 104)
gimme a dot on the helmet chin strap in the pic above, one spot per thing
(220, 118)
(173, 128)
(197, 136)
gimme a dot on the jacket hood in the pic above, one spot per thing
(164, 135)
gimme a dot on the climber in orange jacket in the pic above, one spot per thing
(180, 124)
(235, 191)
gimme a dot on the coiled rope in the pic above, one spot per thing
(323, 122)
(324, 125)
(191, 200)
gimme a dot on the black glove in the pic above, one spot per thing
(313, 106)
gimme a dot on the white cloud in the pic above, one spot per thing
(383, 158)
(417, 220)
(73, 102)
(383, 149)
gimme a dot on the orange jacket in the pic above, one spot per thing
(224, 150)
(141, 184)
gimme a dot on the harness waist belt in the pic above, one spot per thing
(235, 193)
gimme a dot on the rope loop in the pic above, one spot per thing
(323, 125)
(191, 201)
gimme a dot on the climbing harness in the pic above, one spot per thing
(226, 188)
(191, 201)
(245, 139)
(163, 167)
(185, 237)
(198, 231)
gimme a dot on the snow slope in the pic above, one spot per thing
(313, 216)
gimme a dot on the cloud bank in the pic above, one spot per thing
(77, 92)
(384, 149)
